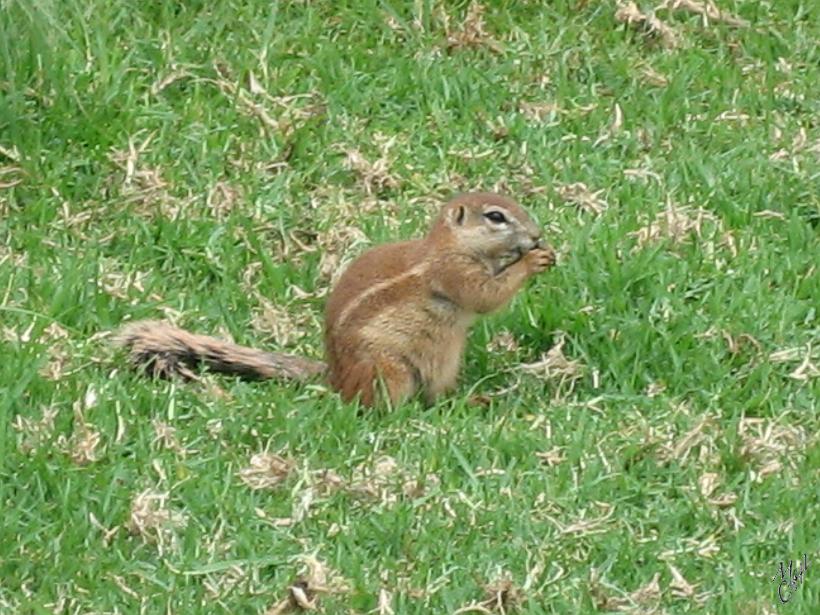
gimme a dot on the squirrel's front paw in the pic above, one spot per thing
(540, 259)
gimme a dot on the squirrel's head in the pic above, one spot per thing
(491, 226)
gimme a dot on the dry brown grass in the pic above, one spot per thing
(581, 196)
(555, 366)
(139, 184)
(706, 9)
(807, 368)
(82, 445)
(375, 174)
(675, 224)
(647, 23)
(152, 519)
(769, 445)
(282, 325)
(34, 433)
(304, 594)
(644, 600)
(266, 470)
(698, 441)
(471, 32)
(594, 520)
(59, 352)
(503, 341)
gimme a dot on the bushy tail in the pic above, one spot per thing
(164, 351)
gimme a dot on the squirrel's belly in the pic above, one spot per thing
(430, 340)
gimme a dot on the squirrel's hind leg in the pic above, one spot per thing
(374, 379)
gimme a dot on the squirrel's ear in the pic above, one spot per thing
(457, 215)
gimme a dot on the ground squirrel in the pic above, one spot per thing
(396, 321)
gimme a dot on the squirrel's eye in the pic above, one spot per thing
(495, 216)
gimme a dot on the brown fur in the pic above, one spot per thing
(400, 313)
(396, 322)
(164, 350)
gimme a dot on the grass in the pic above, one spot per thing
(216, 163)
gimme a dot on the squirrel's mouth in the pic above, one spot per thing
(509, 258)
(521, 251)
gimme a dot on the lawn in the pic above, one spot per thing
(647, 439)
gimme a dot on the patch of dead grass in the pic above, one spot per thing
(501, 596)
(55, 338)
(653, 77)
(645, 599)
(581, 196)
(122, 284)
(708, 484)
(34, 433)
(140, 184)
(15, 336)
(698, 441)
(587, 523)
(767, 445)
(386, 481)
(222, 198)
(107, 533)
(279, 324)
(266, 471)
(175, 74)
(736, 343)
(11, 176)
(58, 359)
(471, 32)
(18, 260)
(540, 111)
(384, 606)
(375, 175)
(12, 153)
(676, 225)
(153, 520)
(82, 445)
(253, 100)
(166, 436)
(305, 592)
(807, 368)
(706, 9)
(218, 586)
(382, 481)
(681, 588)
(555, 366)
(552, 457)
(503, 341)
(647, 23)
